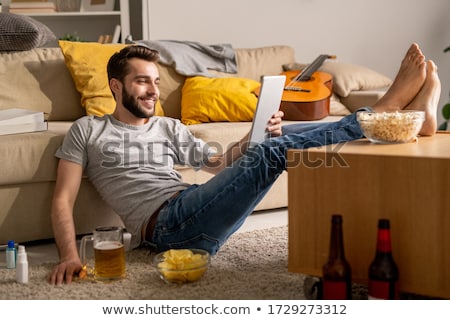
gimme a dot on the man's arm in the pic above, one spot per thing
(219, 162)
(66, 190)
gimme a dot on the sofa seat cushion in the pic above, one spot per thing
(363, 98)
(220, 135)
(29, 157)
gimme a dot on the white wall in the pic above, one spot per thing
(372, 33)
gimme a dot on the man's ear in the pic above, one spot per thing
(115, 86)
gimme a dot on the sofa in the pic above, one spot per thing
(42, 79)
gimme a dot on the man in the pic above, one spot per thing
(129, 157)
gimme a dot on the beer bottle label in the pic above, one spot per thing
(334, 290)
(384, 290)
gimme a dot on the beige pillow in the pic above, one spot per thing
(38, 79)
(255, 62)
(351, 77)
(348, 77)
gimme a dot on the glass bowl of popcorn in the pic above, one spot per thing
(181, 265)
(391, 127)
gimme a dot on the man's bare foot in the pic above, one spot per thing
(428, 99)
(407, 83)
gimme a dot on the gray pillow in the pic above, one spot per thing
(21, 33)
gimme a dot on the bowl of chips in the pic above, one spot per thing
(181, 265)
(391, 127)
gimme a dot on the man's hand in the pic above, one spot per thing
(217, 163)
(274, 125)
(64, 272)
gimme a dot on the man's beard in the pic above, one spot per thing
(132, 104)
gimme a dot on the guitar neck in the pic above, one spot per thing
(306, 74)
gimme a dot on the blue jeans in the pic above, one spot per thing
(205, 216)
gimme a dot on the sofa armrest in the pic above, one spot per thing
(363, 98)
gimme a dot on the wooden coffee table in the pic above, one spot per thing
(406, 183)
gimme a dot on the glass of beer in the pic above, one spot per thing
(109, 253)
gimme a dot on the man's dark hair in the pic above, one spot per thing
(118, 63)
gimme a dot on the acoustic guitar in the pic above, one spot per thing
(307, 93)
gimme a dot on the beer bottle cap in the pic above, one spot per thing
(383, 224)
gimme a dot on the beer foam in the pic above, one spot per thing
(108, 245)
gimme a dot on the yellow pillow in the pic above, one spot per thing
(218, 100)
(87, 62)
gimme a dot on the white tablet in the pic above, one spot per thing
(269, 101)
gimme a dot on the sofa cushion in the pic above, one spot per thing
(359, 99)
(348, 77)
(87, 62)
(21, 33)
(256, 62)
(337, 108)
(218, 99)
(221, 135)
(170, 87)
(38, 80)
(30, 157)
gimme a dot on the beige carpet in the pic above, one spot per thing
(251, 265)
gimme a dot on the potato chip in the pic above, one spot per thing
(183, 265)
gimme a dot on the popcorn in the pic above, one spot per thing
(391, 127)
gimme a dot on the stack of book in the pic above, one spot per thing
(107, 38)
(25, 7)
(17, 120)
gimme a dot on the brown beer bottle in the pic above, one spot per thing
(337, 274)
(383, 271)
